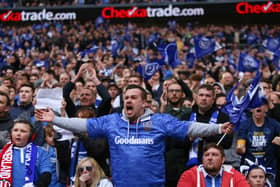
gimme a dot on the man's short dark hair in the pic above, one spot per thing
(7, 97)
(207, 87)
(136, 75)
(175, 83)
(215, 146)
(24, 121)
(143, 91)
(28, 85)
(220, 95)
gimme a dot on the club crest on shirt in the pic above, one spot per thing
(147, 125)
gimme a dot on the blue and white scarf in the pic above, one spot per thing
(193, 153)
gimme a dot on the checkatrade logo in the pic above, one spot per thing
(266, 8)
(43, 15)
(136, 12)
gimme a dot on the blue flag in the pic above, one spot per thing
(115, 47)
(273, 45)
(231, 61)
(169, 52)
(247, 63)
(98, 21)
(276, 62)
(204, 45)
(78, 152)
(153, 38)
(190, 59)
(92, 49)
(235, 108)
(149, 69)
(251, 38)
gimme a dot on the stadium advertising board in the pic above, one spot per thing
(238, 12)
(36, 15)
(149, 12)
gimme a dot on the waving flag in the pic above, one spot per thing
(235, 108)
(251, 38)
(247, 63)
(149, 69)
(169, 52)
(276, 62)
(273, 45)
(190, 59)
(231, 61)
(205, 46)
(153, 38)
(7, 46)
(92, 49)
(115, 47)
(99, 21)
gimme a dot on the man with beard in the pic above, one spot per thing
(212, 172)
(176, 151)
(227, 80)
(172, 102)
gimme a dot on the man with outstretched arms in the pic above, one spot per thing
(136, 138)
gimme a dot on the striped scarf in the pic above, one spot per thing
(6, 159)
(6, 163)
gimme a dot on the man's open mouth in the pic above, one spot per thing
(129, 109)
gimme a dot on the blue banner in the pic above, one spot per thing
(276, 62)
(251, 38)
(247, 63)
(149, 69)
(169, 52)
(273, 45)
(92, 49)
(190, 59)
(235, 107)
(205, 45)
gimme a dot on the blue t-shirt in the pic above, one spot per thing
(259, 140)
(137, 150)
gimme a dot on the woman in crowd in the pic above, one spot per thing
(89, 173)
(22, 163)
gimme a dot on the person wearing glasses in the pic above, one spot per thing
(90, 174)
(176, 154)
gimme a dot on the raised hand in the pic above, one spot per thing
(227, 128)
(44, 115)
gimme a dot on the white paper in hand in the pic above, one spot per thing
(49, 97)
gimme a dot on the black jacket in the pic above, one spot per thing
(71, 108)
(222, 118)
(6, 124)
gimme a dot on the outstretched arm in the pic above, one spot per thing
(197, 129)
(73, 124)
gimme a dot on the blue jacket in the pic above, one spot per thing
(137, 150)
(42, 165)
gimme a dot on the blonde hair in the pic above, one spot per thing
(98, 172)
(49, 130)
